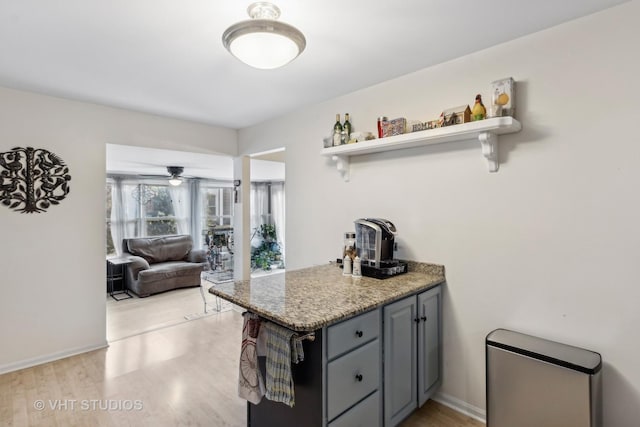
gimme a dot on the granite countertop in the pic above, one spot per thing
(314, 297)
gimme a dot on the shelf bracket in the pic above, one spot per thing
(342, 164)
(489, 142)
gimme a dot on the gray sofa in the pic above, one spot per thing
(162, 263)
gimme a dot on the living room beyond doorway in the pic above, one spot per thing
(143, 200)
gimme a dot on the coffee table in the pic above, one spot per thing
(211, 278)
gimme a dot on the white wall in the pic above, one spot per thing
(548, 245)
(52, 264)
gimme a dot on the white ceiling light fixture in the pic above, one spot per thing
(175, 172)
(263, 42)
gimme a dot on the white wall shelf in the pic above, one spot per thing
(485, 131)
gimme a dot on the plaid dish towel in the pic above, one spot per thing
(278, 378)
(297, 352)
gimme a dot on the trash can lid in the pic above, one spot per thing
(564, 355)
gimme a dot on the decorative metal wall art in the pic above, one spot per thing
(31, 180)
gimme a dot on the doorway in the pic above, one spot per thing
(142, 202)
(268, 219)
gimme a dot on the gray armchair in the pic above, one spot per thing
(162, 263)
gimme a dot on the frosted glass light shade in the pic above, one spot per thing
(263, 42)
(264, 50)
(175, 181)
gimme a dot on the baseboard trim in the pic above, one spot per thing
(28, 363)
(461, 406)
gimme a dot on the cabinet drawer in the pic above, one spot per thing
(364, 414)
(352, 377)
(351, 333)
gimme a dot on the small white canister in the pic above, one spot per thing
(357, 267)
(346, 266)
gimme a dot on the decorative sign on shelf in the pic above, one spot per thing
(32, 179)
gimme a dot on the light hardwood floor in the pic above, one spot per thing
(135, 315)
(179, 375)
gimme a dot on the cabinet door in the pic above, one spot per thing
(429, 340)
(400, 379)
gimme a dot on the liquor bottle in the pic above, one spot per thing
(382, 121)
(346, 127)
(337, 131)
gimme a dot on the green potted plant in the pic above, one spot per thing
(268, 252)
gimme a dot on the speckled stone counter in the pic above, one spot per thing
(314, 297)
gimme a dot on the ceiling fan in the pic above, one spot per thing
(176, 175)
(144, 193)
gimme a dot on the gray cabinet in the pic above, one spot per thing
(429, 343)
(412, 338)
(353, 373)
(371, 370)
(400, 355)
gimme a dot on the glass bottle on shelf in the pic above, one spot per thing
(337, 131)
(346, 127)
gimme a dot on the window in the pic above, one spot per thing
(157, 213)
(111, 250)
(217, 206)
(139, 207)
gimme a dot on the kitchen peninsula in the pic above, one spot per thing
(346, 378)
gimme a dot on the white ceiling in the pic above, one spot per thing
(166, 56)
(130, 160)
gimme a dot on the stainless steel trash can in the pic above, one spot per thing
(533, 382)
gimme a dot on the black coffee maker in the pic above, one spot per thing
(375, 242)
